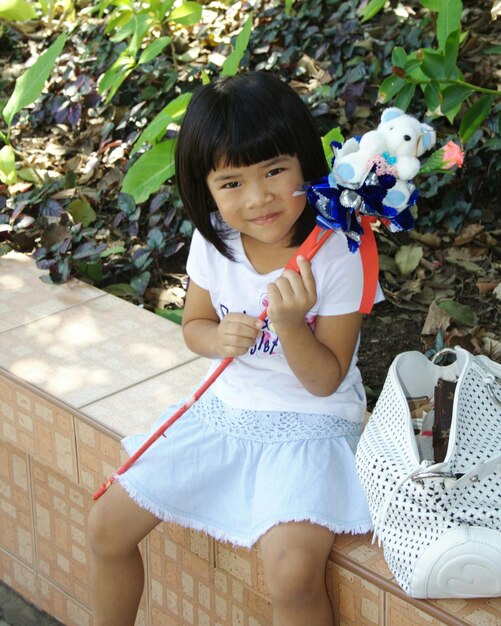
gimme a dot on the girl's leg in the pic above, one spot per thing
(115, 527)
(295, 557)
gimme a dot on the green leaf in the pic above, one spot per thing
(433, 64)
(411, 64)
(459, 312)
(30, 84)
(390, 86)
(149, 172)
(120, 290)
(432, 5)
(173, 112)
(187, 14)
(372, 9)
(451, 53)
(333, 135)
(93, 271)
(405, 96)
(174, 315)
(492, 50)
(17, 10)
(448, 20)
(114, 249)
(81, 211)
(230, 66)
(140, 283)
(399, 57)
(142, 24)
(474, 116)
(454, 95)
(154, 49)
(7, 166)
(115, 75)
(432, 96)
(407, 258)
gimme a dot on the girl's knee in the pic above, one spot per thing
(294, 577)
(102, 534)
(116, 524)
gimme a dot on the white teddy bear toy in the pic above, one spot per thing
(394, 147)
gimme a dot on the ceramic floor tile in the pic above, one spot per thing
(355, 601)
(135, 410)
(179, 570)
(37, 426)
(359, 548)
(479, 612)
(61, 509)
(16, 515)
(401, 613)
(18, 576)
(99, 455)
(93, 350)
(25, 298)
(62, 606)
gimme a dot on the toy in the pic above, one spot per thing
(394, 148)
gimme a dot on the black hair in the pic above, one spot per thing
(246, 119)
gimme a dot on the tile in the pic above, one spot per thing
(355, 601)
(16, 514)
(62, 606)
(98, 454)
(179, 571)
(359, 549)
(37, 426)
(401, 613)
(18, 576)
(60, 510)
(135, 409)
(479, 612)
(92, 350)
(25, 298)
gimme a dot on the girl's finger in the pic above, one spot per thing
(306, 274)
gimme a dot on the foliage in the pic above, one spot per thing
(106, 209)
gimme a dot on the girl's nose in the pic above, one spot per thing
(257, 196)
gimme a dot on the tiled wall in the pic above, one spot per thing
(78, 370)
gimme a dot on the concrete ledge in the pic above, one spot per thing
(76, 368)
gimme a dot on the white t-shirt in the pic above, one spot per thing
(261, 379)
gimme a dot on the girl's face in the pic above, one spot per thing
(258, 200)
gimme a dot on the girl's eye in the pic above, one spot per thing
(231, 185)
(275, 171)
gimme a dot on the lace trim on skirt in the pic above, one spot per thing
(270, 426)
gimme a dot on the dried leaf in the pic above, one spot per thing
(436, 319)
(468, 234)
(407, 258)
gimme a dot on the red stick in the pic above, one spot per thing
(308, 249)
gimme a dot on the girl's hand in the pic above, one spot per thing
(236, 333)
(291, 296)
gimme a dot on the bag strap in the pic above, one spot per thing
(475, 474)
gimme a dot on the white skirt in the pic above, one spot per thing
(234, 474)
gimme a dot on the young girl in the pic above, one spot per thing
(267, 453)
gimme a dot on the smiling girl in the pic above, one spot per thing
(267, 454)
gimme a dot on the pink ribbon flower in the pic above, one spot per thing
(443, 159)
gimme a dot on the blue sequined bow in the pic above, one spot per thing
(340, 207)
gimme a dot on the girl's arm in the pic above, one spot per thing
(319, 360)
(207, 335)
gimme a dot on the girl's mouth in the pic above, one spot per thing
(265, 220)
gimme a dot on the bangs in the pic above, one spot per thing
(252, 145)
(247, 128)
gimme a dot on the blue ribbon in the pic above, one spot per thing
(339, 207)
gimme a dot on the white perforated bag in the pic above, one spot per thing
(439, 523)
